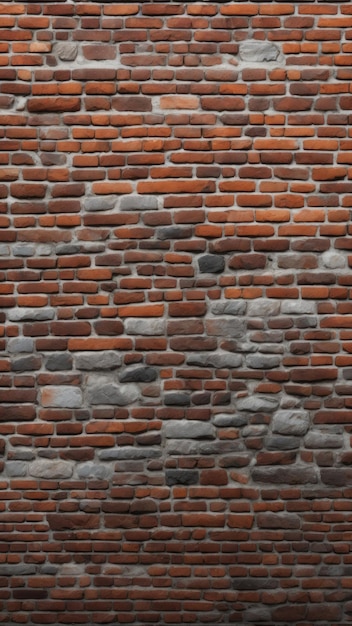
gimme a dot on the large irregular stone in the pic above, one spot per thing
(232, 307)
(150, 327)
(254, 404)
(63, 396)
(49, 468)
(138, 375)
(211, 263)
(263, 362)
(225, 327)
(188, 429)
(258, 51)
(112, 393)
(138, 203)
(106, 360)
(291, 422)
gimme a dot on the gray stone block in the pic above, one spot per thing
(59, 361)
(94, 470)
(112, 393)
(180, 447)
(292, 475)
(173, 232)
(18, 569)
(20, 344)
(225, 327)
(291, 422)
(232, 307)
(100, 203)
(215, 359)
(188, 429)
(23, 249)
(316, 439)
(61, 396)
(150, 327)
(282, 442)
(16, 468)
(298, 307)
(50, 468)
(256, 404)
(221, 447)
(68, 248)
(264, 307)
(138, 375)
(129, 452)
(26, 363)
(66, 50)
(35, 315)
(258, 51)
(263, 362)
(138, 203)
(181, 477)
(177, 398)
(224, 420)
(211, 263)
(89, 361)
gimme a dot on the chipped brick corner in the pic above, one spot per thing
(176, 317)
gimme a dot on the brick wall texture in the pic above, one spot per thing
(176, 313)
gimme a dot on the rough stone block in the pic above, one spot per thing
(188, 429)
(62, 396)
(291, 422)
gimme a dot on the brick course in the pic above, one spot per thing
(175, 334)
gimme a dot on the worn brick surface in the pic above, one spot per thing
(175, 324)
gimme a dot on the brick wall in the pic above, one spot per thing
(176, 325)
